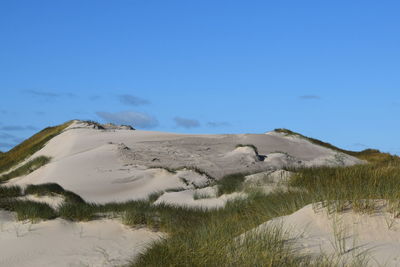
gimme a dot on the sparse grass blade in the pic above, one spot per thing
(53, 188)
(29, 210)
(10, 191)
(77, 211)
(249, 145)
(230, 183)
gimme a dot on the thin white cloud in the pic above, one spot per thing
(17, 128)
(186, 123)
(131, 100)
(47, 94)
(310, 97)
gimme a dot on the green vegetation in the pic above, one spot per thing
(197, 237)
(249, 145)
(29, 147)
(356, 187)
(154, 196)
(27, 168)
(28, 210)
(77, 211)
(201, 195)
(49, 189)
(34, 211)
(209, 238)
(10, 191)
(230, 183)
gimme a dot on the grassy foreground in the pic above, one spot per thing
(198, 237)
(209, 238)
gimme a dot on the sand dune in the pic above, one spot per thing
(104, 165)
(117, 164)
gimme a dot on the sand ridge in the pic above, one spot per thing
(103, 165)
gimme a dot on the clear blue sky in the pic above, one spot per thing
(327, 69)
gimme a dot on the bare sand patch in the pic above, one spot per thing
(63, 243)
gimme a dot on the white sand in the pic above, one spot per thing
(98, 176)
(244, 154)
(62, 243)
(112, 164)
(208, 199)
(377, 235)
(269, 177)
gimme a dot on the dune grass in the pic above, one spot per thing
(95, 124)
(51, 189)
(202, 195)
(198, 237)
(28, 210)
(154, 196)
(10, 191)
(77, 211)
(230, 183)
(207, 238)
(27, 168)
(356, 187)
(29, 146)
(189, 168)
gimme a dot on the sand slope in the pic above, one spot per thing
(62, 243)
(342, 235)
